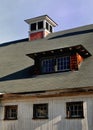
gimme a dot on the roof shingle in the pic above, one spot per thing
(15, 65)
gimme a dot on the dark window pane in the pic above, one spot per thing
(10, 112)
(40, 25)
(63, 63)
(40, 111)
(33, 26)
(47, 26)
(74, 109)
(50, 28)
(55, 64)
(48, 65)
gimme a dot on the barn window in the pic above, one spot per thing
(40, 111)
(74, 109)
(55, 64)
(11, 112)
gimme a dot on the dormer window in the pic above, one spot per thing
(55, 64)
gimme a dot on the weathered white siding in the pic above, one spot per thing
(56, 111)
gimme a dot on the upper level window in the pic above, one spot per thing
(40, 25)
(11, 112)
(40, 111)
(51, 29)
(33, 26)
(74, 110)
(47, 26)
(55, 64)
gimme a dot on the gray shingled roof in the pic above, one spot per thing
(15, 66)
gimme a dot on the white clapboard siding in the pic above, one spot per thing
(56, 113)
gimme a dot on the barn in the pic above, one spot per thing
(46, 80)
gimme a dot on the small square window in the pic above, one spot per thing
(74, 110)
(40, 111)
(11, 112)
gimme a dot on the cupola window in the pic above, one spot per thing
(33, 26)
(40, 111)
(40, 25)
(51, 29)
(47, 25)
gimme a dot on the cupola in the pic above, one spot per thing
(40, 27)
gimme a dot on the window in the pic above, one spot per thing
(63, 63)
(48, 65)
(74, 109)
(50, 28)
(56, 64)
(11, 112)
(33, 26)
(40, 111)
(40, 25)
(47, 26)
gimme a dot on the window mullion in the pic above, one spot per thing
(54, 64)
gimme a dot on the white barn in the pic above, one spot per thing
(46, 81)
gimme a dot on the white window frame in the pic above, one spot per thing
(56, 64)
(74, 109)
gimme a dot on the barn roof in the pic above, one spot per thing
(15, 65)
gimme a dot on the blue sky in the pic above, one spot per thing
(67, 13)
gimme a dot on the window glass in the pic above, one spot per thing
(47, 26)
(55, 64)
(40, 111)
(11, 112)
(48, 65)
(51, 29)
(74, 109)
(33, 26)
(40, 25)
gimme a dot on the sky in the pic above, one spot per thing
(66, 13)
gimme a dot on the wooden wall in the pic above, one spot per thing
(57, 115)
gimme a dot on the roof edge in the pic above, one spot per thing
(13, 42)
